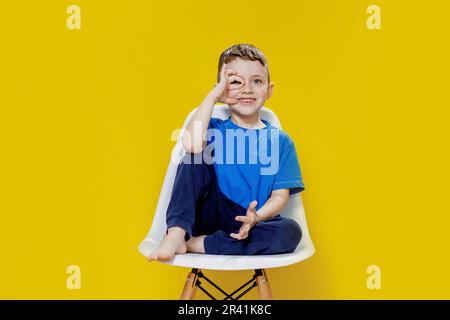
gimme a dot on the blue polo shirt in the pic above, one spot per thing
(251, 163)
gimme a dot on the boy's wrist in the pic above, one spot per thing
(211, 97)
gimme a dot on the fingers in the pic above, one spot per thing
(235, 76)
(244, 230)
(230, 80)
(230, 100)
(252, 206)
(225, 74)
(222, 72)
(230, 75)
(235, 82)
(239, 236)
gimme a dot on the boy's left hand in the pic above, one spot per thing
(249, 221)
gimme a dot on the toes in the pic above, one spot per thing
(165, 256)
(152, 257)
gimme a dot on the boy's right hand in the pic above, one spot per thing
(220, 91)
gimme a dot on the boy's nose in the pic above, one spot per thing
(247, 87)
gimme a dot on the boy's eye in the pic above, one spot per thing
(260, 81)
(235, 81)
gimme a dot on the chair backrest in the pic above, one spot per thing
(294, 208)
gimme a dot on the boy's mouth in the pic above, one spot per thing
(246, 100)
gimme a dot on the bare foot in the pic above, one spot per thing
(172, 243)
(196, 244)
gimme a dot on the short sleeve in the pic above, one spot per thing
(212, 123)
(289, 175)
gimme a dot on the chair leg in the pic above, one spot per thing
(263, 285)
(190, 287)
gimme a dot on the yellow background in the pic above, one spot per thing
(87, 115)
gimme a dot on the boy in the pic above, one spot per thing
(233, 207)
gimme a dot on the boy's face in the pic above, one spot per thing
(256, 87)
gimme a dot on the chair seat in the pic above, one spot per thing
(230, 262)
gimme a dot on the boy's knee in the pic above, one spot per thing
(192, 175)
(289, 235)
(294, 232)
(190, 164)
(191, 158)
(284, 234)
(198, 159)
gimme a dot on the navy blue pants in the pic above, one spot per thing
(200, 208)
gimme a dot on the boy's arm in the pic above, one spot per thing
(195, 143)
(273, 206)
(200, 120)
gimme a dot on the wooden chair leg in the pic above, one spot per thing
(189, 287)
(263, 286)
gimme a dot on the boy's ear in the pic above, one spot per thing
(270, 90)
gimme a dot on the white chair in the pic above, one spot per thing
(294, 210)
